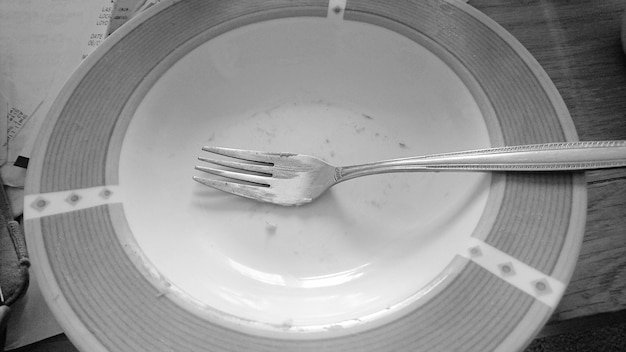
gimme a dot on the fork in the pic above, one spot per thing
(296, 179)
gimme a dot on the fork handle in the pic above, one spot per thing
(566, 156)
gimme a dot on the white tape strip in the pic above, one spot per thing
(336, 9)
(46, 204)
(526, 278)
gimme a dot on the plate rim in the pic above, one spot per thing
(55, 296)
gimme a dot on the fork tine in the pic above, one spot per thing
(239, 189)
(260, 168)
(239, 176)
(249, 155)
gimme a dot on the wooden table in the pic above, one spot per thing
(578, 45)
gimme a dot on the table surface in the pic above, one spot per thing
(578, 45)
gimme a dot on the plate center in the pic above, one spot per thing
(344, 91)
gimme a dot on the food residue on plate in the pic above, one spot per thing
(270, 228)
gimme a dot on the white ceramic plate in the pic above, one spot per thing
(134, 255)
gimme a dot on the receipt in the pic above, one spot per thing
(4, 111)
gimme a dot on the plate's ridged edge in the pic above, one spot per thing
(113, 301)
(533, 220)
(63, 233)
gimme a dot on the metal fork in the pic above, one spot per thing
(296, 179)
